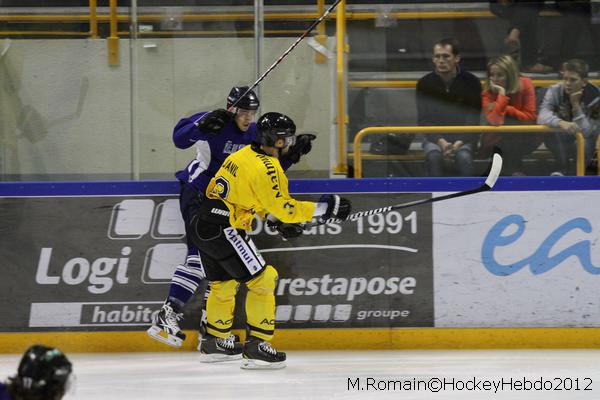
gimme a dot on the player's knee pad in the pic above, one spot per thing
(264, 283)
(223, 290)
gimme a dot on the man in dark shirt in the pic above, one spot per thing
(448, 96)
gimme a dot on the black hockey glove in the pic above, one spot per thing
(337, 207)
(287, 231)
(214, 121)
(302, 146)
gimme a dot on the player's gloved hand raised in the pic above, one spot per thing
(337, 207)
(302, 146)
(214, 121)
(287, 231)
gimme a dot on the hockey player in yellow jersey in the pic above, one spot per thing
(252, 183)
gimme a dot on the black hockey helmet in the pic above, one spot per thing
(43, 371)
(272, 126)
(248, 102)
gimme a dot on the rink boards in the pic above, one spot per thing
(86, 265)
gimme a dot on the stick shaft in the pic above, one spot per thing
(289, 50)
(495, 168)
(383, 210)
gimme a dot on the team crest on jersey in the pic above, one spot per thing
(231, 148)
(221, 187)
(289, 207)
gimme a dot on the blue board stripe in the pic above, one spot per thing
(377, 185)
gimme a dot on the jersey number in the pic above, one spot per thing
(221, 187)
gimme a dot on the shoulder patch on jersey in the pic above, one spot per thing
(221, 187)
(289, 207)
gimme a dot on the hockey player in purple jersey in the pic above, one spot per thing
(44, 373)
(215, 135)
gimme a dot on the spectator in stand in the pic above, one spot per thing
(448, 96)
(508, 99)
(573, 105)
(522, 38)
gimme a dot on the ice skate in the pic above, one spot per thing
(214, 349)
(259, 354)
(165, 327)
(235, 338)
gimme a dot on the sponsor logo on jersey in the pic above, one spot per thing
(271, 172)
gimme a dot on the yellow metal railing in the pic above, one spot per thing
(321, 36)
(248, 16)
(512, 129)
(113, 39)
(342, 118)
(93, 19)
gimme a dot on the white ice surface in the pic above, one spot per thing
(325, 374)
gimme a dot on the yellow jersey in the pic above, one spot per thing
(250, 182)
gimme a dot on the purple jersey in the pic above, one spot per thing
(4, 392)
(211, 149)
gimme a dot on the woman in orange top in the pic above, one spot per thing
(508, 99)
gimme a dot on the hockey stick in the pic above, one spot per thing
(289, 50)
(490, 181)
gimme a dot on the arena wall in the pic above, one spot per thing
(86, 264)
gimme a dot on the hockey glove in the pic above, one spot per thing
(214, 121)
(287, 231)
(302, 146)
(337, 207)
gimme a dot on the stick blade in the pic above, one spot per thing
(495, 170)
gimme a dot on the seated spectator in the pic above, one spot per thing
(573, 105)
(522, 38)
(44, 373)
(448, 96)
(508, 99)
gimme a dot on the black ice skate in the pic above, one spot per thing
(203, 334)
(258, 354)
(214, 349)
(165, 326)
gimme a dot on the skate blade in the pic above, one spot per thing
(259, 364)
(158, 334)
(214, 358)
